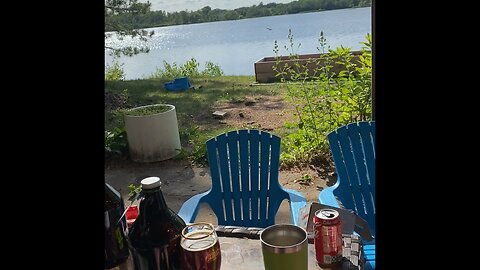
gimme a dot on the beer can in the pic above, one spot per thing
(328, 237)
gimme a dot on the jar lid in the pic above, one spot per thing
(150, 182)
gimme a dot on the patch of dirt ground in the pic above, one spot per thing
(262, 112)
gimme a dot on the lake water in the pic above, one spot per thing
(236, 45)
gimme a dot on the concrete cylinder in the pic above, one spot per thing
(153, 137)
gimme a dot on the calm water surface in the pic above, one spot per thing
(236, 45)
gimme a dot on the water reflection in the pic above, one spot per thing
(236, 45)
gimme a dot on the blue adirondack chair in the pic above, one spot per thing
(353, 151)
(245, 189)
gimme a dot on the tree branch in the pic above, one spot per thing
(115, 14)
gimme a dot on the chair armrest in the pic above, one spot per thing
(327, 197)
(297, 201)
(369, 251)
(189, 210)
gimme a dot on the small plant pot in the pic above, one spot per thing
(152, 133)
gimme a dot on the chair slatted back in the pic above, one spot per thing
(353, 151)
(244, 168)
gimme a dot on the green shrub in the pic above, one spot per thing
(116, 143)
(325, 100)
(189, 68)
(115, 72)
(212, 70)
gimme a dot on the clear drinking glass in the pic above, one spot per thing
(200, 247)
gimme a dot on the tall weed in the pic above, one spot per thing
(327, 92)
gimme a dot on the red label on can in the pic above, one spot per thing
(328, 237)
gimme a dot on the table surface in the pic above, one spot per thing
(245, 253)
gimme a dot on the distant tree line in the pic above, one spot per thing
(207, 14)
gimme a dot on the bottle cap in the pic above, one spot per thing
(150, 182)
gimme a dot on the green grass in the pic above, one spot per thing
(207, 92)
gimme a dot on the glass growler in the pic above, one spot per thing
(116, 244)
(155, 235)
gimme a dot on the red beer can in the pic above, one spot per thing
(328, 237)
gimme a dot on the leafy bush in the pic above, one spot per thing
(325, 98)
(114, 72)
(116, 143)
(189, 68)
(212, 70)
(169, 72)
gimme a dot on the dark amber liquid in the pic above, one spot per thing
(201, 254)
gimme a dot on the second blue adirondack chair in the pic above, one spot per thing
(244, 167)
(353, 151)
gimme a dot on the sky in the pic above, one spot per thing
(193, 5)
